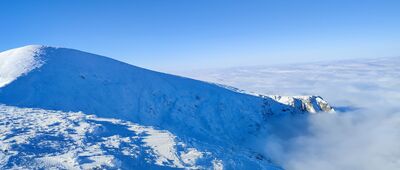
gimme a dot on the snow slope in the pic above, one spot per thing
(203, 115)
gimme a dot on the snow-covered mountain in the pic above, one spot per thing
(142, 117)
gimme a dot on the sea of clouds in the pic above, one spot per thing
(364, 133)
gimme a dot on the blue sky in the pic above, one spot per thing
(189, 34)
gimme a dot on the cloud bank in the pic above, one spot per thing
(364, 133)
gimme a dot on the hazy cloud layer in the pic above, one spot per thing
(363, 134)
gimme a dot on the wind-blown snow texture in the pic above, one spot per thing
(362, 134)
(219, 124)
(53, 139)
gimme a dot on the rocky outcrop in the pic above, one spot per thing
(311, 104)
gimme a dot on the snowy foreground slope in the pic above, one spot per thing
(73, 140)
(142, 118)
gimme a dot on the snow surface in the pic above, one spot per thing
(36, 138)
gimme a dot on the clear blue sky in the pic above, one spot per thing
(186, 34)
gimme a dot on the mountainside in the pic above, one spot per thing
(203, 115)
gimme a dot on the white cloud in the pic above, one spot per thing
(349, 141)
(365, 135)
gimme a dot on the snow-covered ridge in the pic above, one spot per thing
(17, 62)
(206, 116)
(72, 80)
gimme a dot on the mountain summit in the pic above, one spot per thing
(205, 115)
